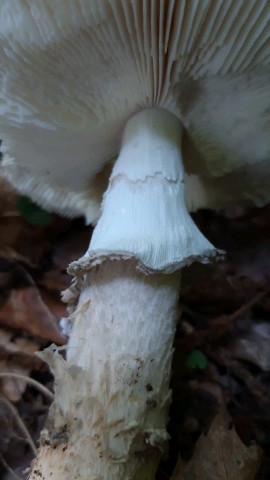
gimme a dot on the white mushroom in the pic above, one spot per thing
(77, 77)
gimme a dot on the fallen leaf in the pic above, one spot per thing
(253, 345)
(24, 309)
(220, 455)
(13, 387)
(8, 196)
(21, 304)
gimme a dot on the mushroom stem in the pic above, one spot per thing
(111, 410)
(108, 420)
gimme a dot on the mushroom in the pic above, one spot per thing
(181, 89)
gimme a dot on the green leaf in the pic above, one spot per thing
(32, 213)
(196, 359)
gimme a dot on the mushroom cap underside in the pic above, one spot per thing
(73, 73)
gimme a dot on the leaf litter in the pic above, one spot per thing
(220, 454)
(219, 419)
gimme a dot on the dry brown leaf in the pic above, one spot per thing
(8, 196)
(16, 234)
(72, 247)
(54, 304)
(24, 309)
(10, 386)
(18, 351)
(220, 455)
(253, 345)
(19, 344)
(21, 304)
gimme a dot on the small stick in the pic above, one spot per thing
(20, 422)
(31, 381)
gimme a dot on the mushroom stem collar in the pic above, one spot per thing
(144, 215)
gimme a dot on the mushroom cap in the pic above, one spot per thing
(74, 71)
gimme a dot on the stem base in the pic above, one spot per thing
(109, 419)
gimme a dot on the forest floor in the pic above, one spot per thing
(220, 416)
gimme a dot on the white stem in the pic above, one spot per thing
(112, 408)
(108, 421)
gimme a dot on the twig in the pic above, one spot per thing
(31, 381)
(11, 471)
(199, 337)
(10, 213)
(20, 422)
(233, 316)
